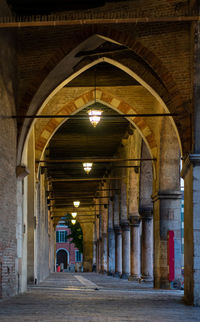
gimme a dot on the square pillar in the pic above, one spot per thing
(191, 175)
(167, 217)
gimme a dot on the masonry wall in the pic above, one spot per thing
(8, 209)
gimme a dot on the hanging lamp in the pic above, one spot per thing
(76, 203)
(87, 166)
(74, 214)
(94, 113)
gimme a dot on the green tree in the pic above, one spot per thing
(76, 234)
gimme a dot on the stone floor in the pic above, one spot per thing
(93, 297)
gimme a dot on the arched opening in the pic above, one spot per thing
(117, 223)
(62, 258)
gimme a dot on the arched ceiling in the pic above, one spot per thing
(79, 140)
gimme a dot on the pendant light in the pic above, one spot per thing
(94, 113)
(76, 203)
(74, 214)
(87, 166)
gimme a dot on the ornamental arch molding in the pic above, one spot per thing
(86, 99)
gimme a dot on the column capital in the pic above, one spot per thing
(117, 229)
(125, 225)
(190, 160)
(167, 194)
(22, 171)
(146, 213)
(134, 220)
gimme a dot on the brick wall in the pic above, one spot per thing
(8, 213)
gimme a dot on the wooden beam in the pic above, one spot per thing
(47, 21)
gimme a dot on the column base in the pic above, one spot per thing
(125, 276)
(134, 278)
(147, 278)
(110, 273)
(118, 275)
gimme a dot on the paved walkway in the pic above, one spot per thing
(94, 297)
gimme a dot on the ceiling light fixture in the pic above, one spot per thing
(76, 203)
(94, 114)
(73, 221)
(87, 166)
(74, 214)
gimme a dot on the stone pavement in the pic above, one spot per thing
(95, 297)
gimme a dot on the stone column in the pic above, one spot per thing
(118, 251)
(191, 175)
(118, 238)
(97, 255)
(135, 247)
(134, 219)
(111, 240)
(125, 233)
(94, 258)
(147, 243)
(104, 253)
(100, 243)
(125, 249)
(166, 218)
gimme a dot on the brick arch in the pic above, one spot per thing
(79, 103)
(167, 90)
(125, 38)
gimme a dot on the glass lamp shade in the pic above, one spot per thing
(94, 116)
(73, 221)
(74, 214)
(87, 166)
(76, 203)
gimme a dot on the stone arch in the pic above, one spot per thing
(36, 97)
(86, 99)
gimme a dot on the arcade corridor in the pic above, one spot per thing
(99, 122)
